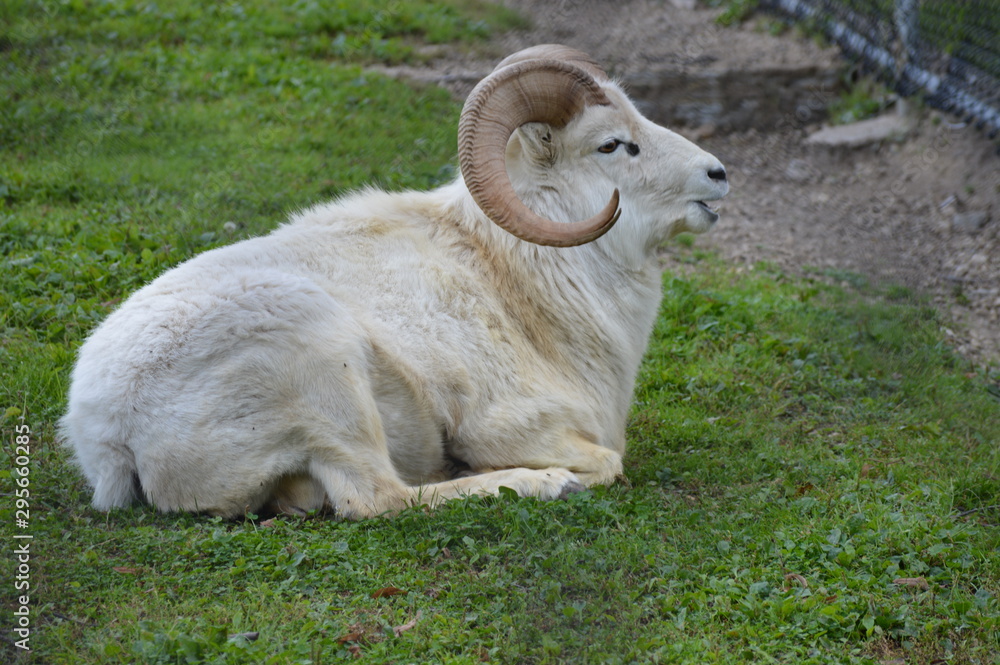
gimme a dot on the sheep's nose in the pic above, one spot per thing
(718, 174)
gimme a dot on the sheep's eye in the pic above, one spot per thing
(610, 146)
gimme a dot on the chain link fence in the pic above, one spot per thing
(946, 50)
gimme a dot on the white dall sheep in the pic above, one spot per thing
(361, 353)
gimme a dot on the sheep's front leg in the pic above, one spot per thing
(546, 483)
(590, 463)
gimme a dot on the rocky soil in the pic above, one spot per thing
(921, 211)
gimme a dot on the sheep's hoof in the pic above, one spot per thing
(571, 488)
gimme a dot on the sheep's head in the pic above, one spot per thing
(549, 118)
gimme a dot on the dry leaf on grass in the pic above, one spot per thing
(356, 636)
(126, 571)
(918, 582)
(389, 591)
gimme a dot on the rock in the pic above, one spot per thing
(746, 97)
(799, 170)
(684, 4)
(862, 133)
(971, 221)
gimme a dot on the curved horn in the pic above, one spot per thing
(549, 91)
(556, 52)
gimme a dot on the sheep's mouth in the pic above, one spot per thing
(712, 213)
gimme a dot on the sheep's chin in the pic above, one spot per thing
(699, 218)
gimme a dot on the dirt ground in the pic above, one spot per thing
(885, 212)
(907, 212)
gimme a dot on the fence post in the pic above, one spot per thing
(906, 27)
(905, 18)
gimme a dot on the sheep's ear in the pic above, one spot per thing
(537, 143)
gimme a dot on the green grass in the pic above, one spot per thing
(861, 99)
(795, 448)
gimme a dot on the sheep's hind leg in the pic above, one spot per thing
(296, 495)
(340, 430)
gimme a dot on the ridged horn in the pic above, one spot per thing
(532, 90)
(556, 52)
